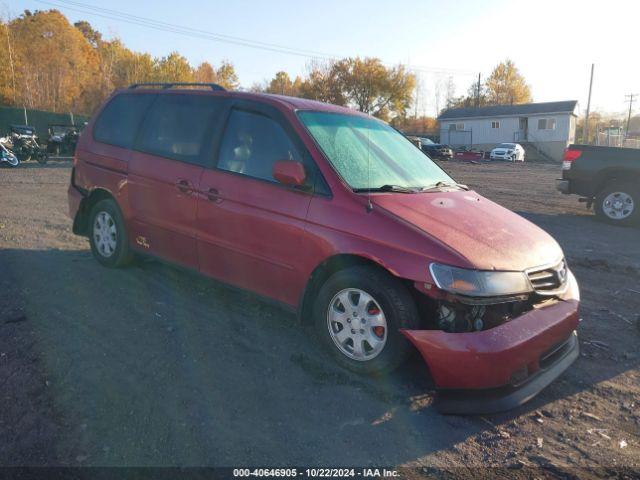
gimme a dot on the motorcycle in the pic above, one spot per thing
(62, 139)
(6, 155)
(25, 145)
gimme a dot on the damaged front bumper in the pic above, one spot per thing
(505, 366)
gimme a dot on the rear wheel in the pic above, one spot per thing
(358, 314)
(108, 236)
(619, 203)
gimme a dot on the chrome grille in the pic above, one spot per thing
(549, 280)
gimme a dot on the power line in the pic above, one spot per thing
(212, 36)
(186, 31)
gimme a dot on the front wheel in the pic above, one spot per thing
(619, 203)
(358, 314)
(12, 160)
(108, 235)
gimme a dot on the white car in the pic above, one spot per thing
(512, 152)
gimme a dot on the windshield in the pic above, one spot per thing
(369, 154)
(426, 141)
(507, 145)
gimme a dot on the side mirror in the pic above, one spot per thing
(288, 172)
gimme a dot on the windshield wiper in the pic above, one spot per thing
(387, 188)
(440, 185)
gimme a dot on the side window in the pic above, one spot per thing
(119, 121)
(252, 143)
(176, 125)
(546, 124)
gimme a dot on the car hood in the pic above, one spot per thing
(488, 236)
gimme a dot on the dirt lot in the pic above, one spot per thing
(154, 366)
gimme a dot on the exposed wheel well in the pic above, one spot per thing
(81, 222)
(321, 273)
(615, 175)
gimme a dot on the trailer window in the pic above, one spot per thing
(546, 124)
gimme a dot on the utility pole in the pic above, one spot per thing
(585, 130)
(478, 93)
(630, 97)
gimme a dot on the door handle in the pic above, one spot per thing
(213, 195)
(184, 186)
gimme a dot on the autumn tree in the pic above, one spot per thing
(8, 91)
(53, 62)
(50, 64)
(172, 68)
(93, 36)
(226, 76)
(375, 89)
(282, 84)
(416, 125)
(507, 86)
(450, 92)
(205, 73)
(322, 83)
(476, 97)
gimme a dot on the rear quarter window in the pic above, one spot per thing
(176, 126)
(119, 120)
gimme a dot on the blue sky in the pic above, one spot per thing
(552, 42)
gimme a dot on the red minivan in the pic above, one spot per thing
(337, 216)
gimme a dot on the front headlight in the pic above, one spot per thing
(479, 283)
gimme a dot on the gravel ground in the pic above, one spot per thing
(152, 366)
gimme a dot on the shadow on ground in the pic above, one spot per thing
(151, 365)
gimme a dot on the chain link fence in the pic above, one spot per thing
(608, 139)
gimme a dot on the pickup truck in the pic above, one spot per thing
(606, 178)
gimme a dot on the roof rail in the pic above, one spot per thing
(164, 86)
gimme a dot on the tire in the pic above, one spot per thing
(397, 310)
(619, 203)
(12, 161)
(106, 221)
(42, 158)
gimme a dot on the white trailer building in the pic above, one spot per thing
(543, 129)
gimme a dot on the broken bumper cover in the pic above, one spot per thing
(469, 402)
(498, 369)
